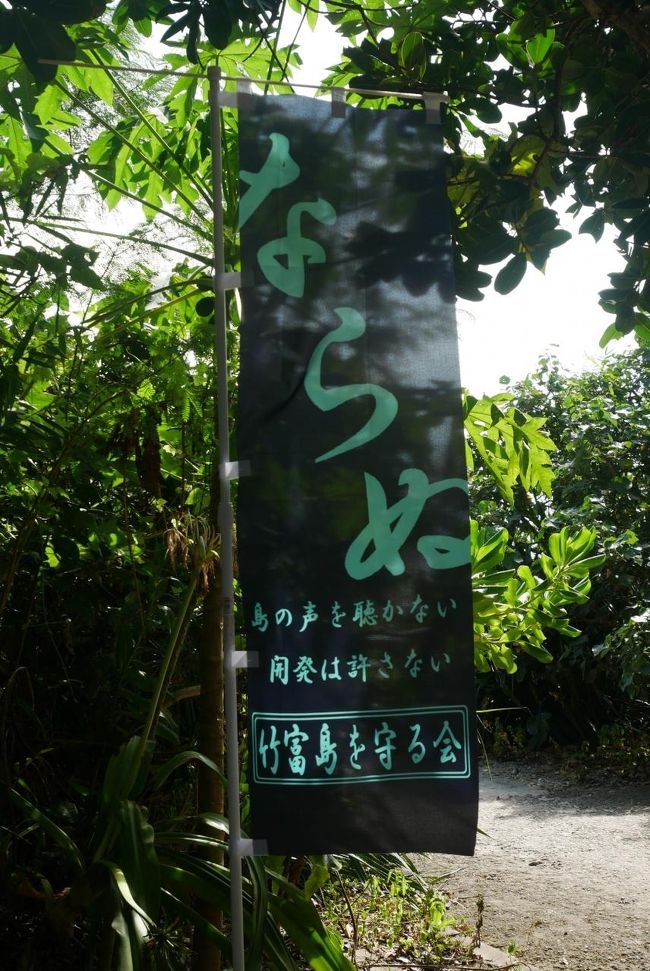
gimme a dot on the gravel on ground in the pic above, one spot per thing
(564, 869)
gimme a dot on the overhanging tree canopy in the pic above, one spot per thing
(565, 81)
(568, 85)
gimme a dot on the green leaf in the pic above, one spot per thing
(537, 651)
(611, 333)
(48, 104)
(312, 10)
(7, 29)
(486, 111)
(81, 273)
(496, 250)
(38, 39)
(195, 839)
(594, 224)
(216, 821)
(470, 281)
(58, 835)
(66, 11)
(126, 773)
(101, 84)
(103, 148)
(138, 856)
(182, 758)
(53, 560)
(511, 49)
(197, 920)
(511, 275)
(304, 927)
(128, 958)
(642, 330)
(412, 54)
(488, 549)
(318, 877)
(190, 878)
(540, 45)
(124, 889)
(258, 879)
(217, 23)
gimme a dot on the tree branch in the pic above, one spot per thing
(630, 21)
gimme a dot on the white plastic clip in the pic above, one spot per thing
(432, 101)
(227, 281)
(236, 470)
(247, 847)
(228, 99)
(338, 103)
(245, 659)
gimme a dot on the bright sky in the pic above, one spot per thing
(556, 311)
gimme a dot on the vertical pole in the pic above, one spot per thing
(225, 528)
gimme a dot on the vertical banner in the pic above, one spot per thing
(353, 530)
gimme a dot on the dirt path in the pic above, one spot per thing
(565, 873)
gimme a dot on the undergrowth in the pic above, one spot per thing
(391, 917)
(621, 750)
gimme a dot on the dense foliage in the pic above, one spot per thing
(112, 840)
(599, 422)
(544, 98)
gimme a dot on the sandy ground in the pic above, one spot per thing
(564, 872)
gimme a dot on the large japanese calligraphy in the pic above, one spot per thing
(352, 524)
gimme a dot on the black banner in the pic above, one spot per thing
(352, 524)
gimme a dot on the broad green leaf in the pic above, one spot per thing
(511, 275)
(103, 148)
(17, 144)
(487, 550)
(540, 45)
(318, 877)
(195, 839)
(301, 921)
(526, 575)
(36, 39)
(195, 919)
(138, 857)
(538, 652)
(217, 23)
(594, 224)
(48, 103)
(126, 773)
(124, 889)
(85, 275)
(486, 111)
(412, 54)
(127, 957)
(216, 821)
(258, 880)
(101, 84)
(67, 11)
(182, 758)
(190, 878)
(7, 29)
(511, 48)
(58, 835)
(312, 10)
